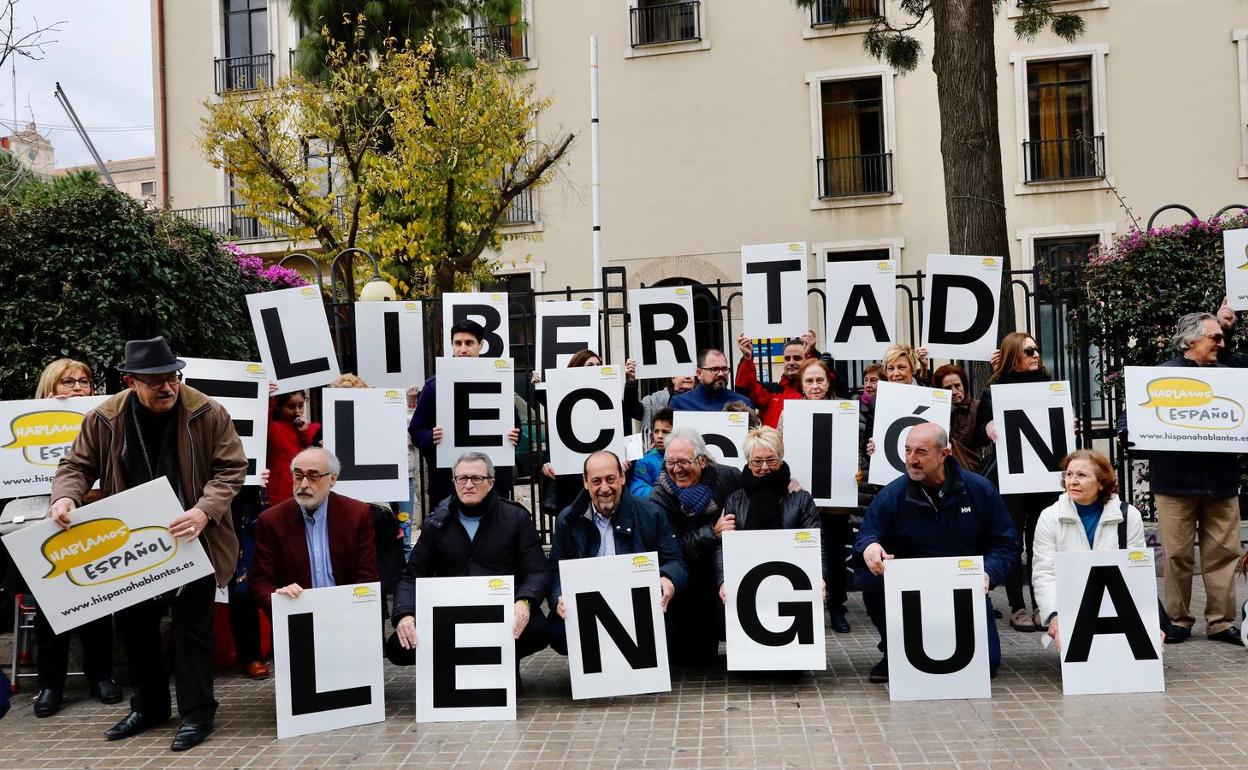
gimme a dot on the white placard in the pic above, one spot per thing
(723, 432)
(390, 343)
(862, 308)
(773, 283)
(242, 387)
(486, 308)
(117, 553)
(898, 408)
(634, 447)
(1187, 409)
(937, 621)
(583, 414)
(292, 334)
(563, 329)
(1035, 430)
(1108, 622)
(960, 309)
(476, 408)
(821, 448)
(34, 436)
(461, 622)
(327, 662)
(623, 650)
(660, 331)
(773, 608)
(1235, 258)
(367, 429)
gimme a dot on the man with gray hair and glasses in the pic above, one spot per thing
(315, 539)
(475, 532)
(1197, 492)
(692, 491)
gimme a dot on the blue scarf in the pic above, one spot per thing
(695, 499)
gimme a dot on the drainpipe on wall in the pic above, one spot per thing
(161, 105)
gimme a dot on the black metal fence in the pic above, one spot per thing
(1078, 157)
(667, 23)
(244, 73)
(505, 41)
(825, 13)
(855, 175)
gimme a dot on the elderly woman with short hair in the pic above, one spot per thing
(765, 500)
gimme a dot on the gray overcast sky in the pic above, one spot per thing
(103, 60)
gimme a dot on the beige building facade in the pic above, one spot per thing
(730, 122)
(135, 177)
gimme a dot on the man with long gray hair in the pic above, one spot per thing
(1197, 492)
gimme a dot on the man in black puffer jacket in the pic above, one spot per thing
(475, 532)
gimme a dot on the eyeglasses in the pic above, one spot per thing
(1029, 352)
(474, 480)
(766, 462)
(81, 382)
(1215, 337)
(159, 382)
(312, 476)
(682, 463)
(715, 369)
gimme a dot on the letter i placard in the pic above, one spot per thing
(937, 621)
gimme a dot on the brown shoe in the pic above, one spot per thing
(257, 670)
(1020, 620)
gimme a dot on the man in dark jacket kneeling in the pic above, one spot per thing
(605, 520)
(475, 532)
(936, 509)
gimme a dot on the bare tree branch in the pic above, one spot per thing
(14, 42)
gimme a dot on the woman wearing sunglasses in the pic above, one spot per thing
(1019, 362)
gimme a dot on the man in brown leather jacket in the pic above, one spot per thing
(160, 427)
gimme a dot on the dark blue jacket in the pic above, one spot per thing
(639, 526)
(972, 521)
(702, 399)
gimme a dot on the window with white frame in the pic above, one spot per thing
(666, 26)
(1060, 109)
(1014, 8)
(852, 129)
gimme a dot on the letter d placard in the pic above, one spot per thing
(937, 621)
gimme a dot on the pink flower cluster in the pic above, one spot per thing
(280, 277)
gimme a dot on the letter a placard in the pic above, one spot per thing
(617, 644)
(465, 653)
(1108, 622)
(862, 307)
(960, 313)
(937, 621)
(773, 279)
(1035, 430)
(292, 334)
(660, 332)
(773, 610)
(327, 659)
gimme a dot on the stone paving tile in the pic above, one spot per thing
(833, 718)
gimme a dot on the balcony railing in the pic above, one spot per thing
(855, 175)
(520, 210)
(244, 73)
(1051, 160)
(669, 23)
(825, 13)
(502, 40)
(236, 222)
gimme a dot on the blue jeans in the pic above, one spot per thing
(873, 597)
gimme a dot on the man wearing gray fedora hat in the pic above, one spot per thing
(160, 427)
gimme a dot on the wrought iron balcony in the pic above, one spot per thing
(855, 175)
(244, 73)
(825, 13)
(1053, 160)
(669, 23)
(520, 210)
(235, 222)
(501, 40)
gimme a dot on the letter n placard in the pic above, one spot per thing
(1108, 623)
(937, 628)
(327, 659)
(773, 610)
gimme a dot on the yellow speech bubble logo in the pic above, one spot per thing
(361, 592)
(497, 297)
(966, 564)
(497, 584)
(845, 406)
(1178, 391)
(1136, 556)
(308, 291)
(255, 370)
(587, 305)
(641, 561)
(681, 291)
(990, 261)
(803, 537)
(51, 428)
(608, 371)
(794, 247)
(410, 307)
(736, 418)
(884, 265)
(391, 395)
(940, 394)
(1057, 387)
(500, 363)
(83, 543)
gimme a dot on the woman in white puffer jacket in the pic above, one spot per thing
(1085, 518)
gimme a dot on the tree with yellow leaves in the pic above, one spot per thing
(414, 165)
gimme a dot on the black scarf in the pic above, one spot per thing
(151, 446)
(765, 494)
(473, 511)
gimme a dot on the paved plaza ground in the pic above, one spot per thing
(833, 718)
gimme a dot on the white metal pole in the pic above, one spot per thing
(595, 179)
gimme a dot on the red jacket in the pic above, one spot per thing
(282, 547)
(768, 398)
(284, 443)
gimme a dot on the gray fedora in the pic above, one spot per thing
(150, 357)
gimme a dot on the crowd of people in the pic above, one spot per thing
(295, 533)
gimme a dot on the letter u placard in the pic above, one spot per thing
(937, 621)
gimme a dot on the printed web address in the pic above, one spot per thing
(1195, 437)
(34, 480)
(146, 580)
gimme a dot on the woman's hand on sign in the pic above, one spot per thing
(59, 511)
(437, 435)
(1057, 640)
(726, 523)
(870, 447)
(630, 370)
(513, 436)
(991, 430)
(406, 631)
